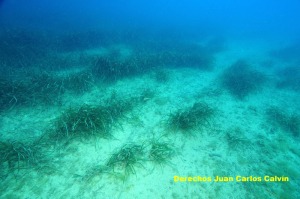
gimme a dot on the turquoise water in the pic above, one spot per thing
(141, 99)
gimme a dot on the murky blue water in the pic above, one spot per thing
(112, 99)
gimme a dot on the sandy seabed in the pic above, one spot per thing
(261, 149)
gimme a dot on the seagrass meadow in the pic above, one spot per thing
(148, 100)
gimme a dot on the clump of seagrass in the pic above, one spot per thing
(114, 66)
(289, 77)
(241, 80)
(79, 82)
(84, 122)
(146, 94)
(88, 121)
(191, 118)
(161, 152)
(125, 160)
(21, 48)
(11, 93)
(178, 54)
(284, 120)
(17, 155)
(32, 90)
(196, 58)
(161, 76)
(117, 107)
(45, 88)
(236, 139)
(95, 172)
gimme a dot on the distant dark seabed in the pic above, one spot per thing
(133, 112)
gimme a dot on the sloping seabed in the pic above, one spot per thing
(95, 117)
